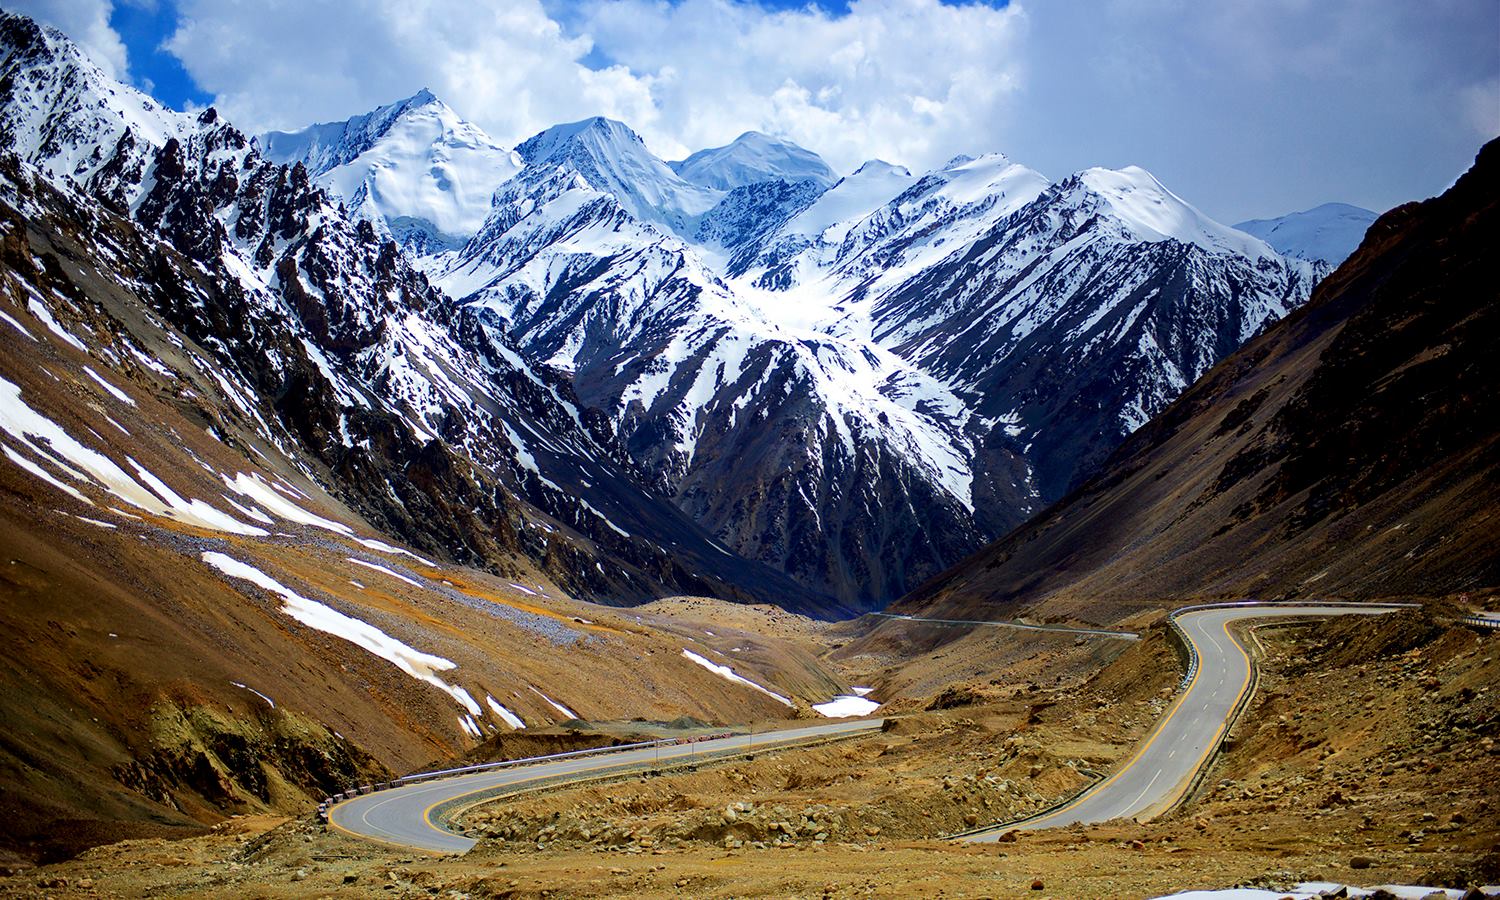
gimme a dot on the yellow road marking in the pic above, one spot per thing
(1151, 739)
(676, 752)
(365, 837)
(1224, 726)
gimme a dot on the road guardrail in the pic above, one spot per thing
(349, 793)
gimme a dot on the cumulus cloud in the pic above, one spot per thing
(910, 81)
(1246, 107)
(87, 23)
(903, 79)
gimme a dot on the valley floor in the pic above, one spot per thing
(1368, 756)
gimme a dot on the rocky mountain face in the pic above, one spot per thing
(417, 412)
(829, 459)
(1351, 451)
(853, 381)
(952, 350)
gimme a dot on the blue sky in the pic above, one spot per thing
(1246, 108)
(143, 28)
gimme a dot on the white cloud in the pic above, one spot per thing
(87, 23)
(1246, 107)
(1482, 108)
(902, 79)
(283, 64)
(911, 81)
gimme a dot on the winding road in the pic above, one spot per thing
(1162, 769)
(403, 816)
(1153, 780)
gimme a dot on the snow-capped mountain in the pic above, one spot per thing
(1078, 316)
(1063, 316)
(855, 382)
(413, 166)
(61, 115)
(609, 157)
(810, 238)
(327, 345)
(961, 345)
(1327, 234)
(880, 226)
(830, 459)
(753, 158)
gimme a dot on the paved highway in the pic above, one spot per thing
(1153, 780)
(1162, 769)
(404, 815)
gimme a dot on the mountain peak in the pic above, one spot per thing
(1151, 212)
(879, 167)
(611, 158)
(596, 132)
(1326, 233)
(71, 132)
(414, 163)
(751, 158)
(328, 145)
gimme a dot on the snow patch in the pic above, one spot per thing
(845, 706)
(253, 486)
(383, 547)
(320, 616)
(40, 310)
(384, 571)
(50, 442)
(16, 325)
(113, 391)
(555, 705)
(269, 701)
(506, 716)
(1311, 891)
(731, 675)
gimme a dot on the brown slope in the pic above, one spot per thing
(1350, 451)
(137, 683)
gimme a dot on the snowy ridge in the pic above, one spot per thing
(659, 296)
(414, 166)
(753, 158)
(1137, 290)
(877, 252)
(609, 157)
(1328, 234)
(690, 372)
(808, 242)
(897, 326)
(1149, 212)
(62, 114)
